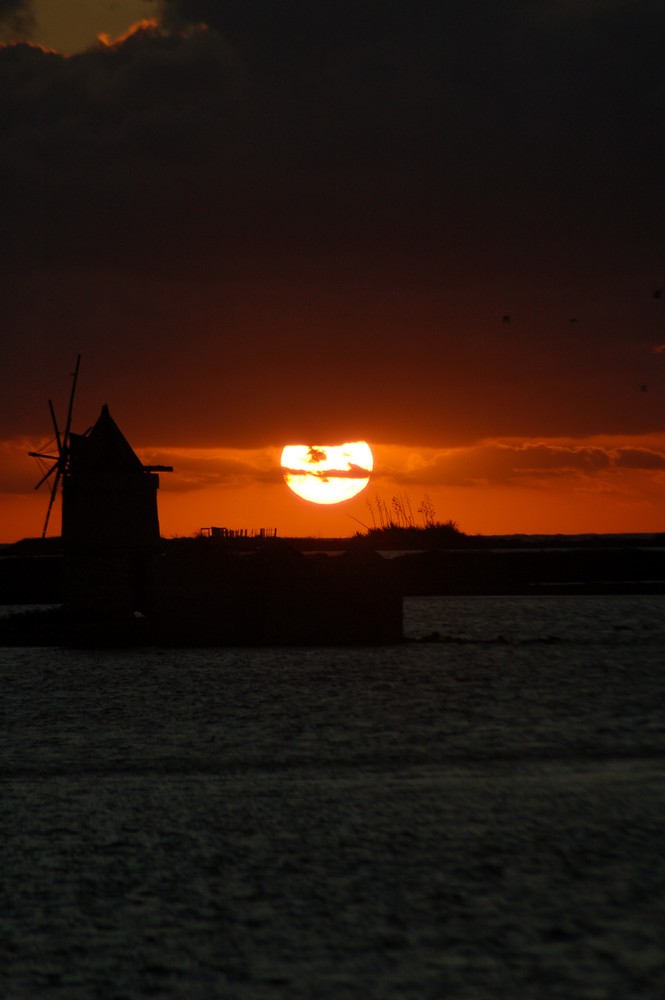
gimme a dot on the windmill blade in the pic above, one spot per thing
(48, 473)
(75, 375)
(60, 463)
(52, 500)
(55, 424)
(47, 462)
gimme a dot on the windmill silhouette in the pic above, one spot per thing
(59, 463)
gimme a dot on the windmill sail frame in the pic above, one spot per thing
(61, 460)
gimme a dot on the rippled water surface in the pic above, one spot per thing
(480, 816)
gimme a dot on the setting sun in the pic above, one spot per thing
(327, 474)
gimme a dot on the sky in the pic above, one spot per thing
(438, 227)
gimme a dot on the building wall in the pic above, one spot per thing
(110, 531)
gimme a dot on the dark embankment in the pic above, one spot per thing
(572, 569)
(31, 570)
(199, 594)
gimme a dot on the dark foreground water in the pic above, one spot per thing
(482, 817)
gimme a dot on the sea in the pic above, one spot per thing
(476, 813)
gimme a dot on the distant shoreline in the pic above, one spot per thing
(53, 544)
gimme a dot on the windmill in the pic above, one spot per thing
(59, 463)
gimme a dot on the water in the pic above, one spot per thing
(477, 817)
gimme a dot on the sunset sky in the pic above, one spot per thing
(438, 227)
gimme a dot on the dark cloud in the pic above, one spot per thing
(639, 458)
(365, 125)
(493, 463)
(353, 472)
(197, 469)
(345, 198)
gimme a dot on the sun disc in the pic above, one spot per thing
(327, 474)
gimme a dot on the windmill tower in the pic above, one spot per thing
(110, 524)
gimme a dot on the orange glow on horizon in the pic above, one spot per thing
(595, 485)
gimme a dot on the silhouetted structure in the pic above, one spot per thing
(110, 525)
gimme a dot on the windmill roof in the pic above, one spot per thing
(105, 448)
